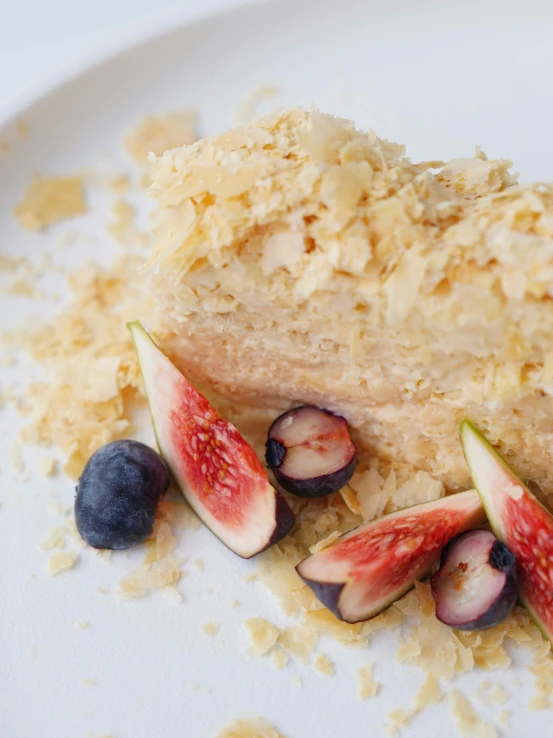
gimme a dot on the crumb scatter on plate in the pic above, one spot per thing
(210, 629)
(88, 340)
(279, 658)
(48, 467)
(55, 539)
(157, 134)
(123, 227)
(368, 687)
(50, 200)
(262, 635)
(466, 719)
(249, 728)
(323, 665)
(60, 562)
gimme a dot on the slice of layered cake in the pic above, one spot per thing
(300, 260)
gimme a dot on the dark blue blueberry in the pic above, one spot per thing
(118, 494)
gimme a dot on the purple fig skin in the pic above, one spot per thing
(320, 486)
(328, 593)
(285, 520)
(501, 559)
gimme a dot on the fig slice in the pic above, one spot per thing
(310, 451)
(519, 520)
(371, 567)
(476, 585)
(217, 471)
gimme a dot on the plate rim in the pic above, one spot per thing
(112, 46)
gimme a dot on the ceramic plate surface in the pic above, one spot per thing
(440, 77)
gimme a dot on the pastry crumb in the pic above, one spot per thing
(56, 538)
(504, 717)
(93, 385)
(61, 562)
(397, 719)
(199, 564)
(210, 629)
(323, 665)
(16, 457)
(120, 183)
(262, 635)
(368, 687)
(428, 694)
(279, 659)
(161, 133)
(249, 728)
(104, 554)
(467, 720)
(298, 641)
(160, 569)
(325, 543)
(50, 200)
(498, 694)
(74, 532)
(146, 577)
(62, 510)
(122, 228)
(235, 604)
(20, 286)
(171, 594)
(540, 702)
(48, 467)
(81, 625)
(90, 682)
(542, 669)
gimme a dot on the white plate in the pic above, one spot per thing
(438, 76)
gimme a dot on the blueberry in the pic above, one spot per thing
(118, 494)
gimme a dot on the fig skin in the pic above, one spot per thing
(214, 467)
(519, 519)
(368, 569)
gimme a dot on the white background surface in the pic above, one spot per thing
(39, 38)
(438, 75)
